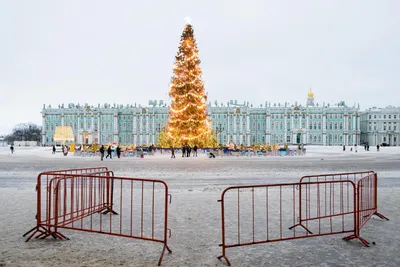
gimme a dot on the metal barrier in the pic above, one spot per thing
(263, 213)
(44, 198)
(367, 204)
(358, 178)
(88, 203)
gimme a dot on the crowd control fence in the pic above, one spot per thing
(100, 202)
(316, 206)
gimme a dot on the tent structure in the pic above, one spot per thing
(63, 134)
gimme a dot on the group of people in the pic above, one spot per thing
(366, 147)
(109, 154)
(186, 151)
(65, 150)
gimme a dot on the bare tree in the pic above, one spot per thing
(24, 132)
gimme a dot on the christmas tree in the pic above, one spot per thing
(187, 122)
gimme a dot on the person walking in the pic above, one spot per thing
(183, 150)
(54, 150)
(109, 152)
(118, 151)
(188, 150)
(12, 149)
(195, 150)
(102, 152)
(172, 152)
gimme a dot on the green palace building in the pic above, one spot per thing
(242, 123)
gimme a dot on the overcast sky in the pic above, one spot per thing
(122, 52)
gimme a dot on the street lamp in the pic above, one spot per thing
(219, 130)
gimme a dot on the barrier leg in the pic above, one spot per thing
(224, 256)
(381, 216)
(162, 253)
(300, 224)
(350, 237)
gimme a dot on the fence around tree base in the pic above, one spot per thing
(327, 205)
(119, 206)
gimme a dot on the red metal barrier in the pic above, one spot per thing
(82, 202)
(367, 204)
(359, 178)
(263, 213)
(44, 198)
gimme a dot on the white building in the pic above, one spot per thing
(381, 126)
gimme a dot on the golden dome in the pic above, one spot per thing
(310, 94)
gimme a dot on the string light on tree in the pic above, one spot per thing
(187, 121)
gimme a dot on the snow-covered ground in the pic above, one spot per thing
(194, 215)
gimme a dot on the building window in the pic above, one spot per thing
(335, 125)
(319, 126)
(330, 126)
(374, 116)
(370, 116)
(390, 116)
(340, 126)
(288, 139)
(310, 126)
(384, 139)
(384, 116)
(315, 126)
(394, 116)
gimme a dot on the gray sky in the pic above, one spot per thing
(122, 52)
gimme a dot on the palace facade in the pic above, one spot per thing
(381, 126)
(242, 123)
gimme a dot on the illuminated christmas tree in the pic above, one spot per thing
(187, 122)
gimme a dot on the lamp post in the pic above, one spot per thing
(219, 130)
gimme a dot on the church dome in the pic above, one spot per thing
(310, 94)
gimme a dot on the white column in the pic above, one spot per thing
(43, 129)
(307, 129)
(84, 121)
(227, 127)
(92, 123)
(99, 128)
(285, 126)
(77, 130)
(324, 129)
(248, 129)
(140, 129)
(62, 120)
(147, 129)
(234, 129)
(354, 131)
(292, 122)
(116, 128)
(134, 122)
(300, 120)
(154, 130)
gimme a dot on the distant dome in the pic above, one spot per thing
(310, 94)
